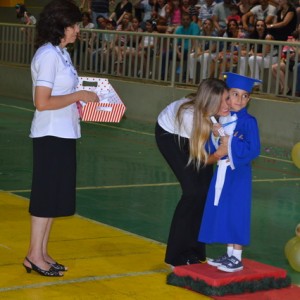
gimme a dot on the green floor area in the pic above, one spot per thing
(123, 181)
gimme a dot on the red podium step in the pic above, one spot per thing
(210, 281)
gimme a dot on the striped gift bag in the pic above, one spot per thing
(110, 108)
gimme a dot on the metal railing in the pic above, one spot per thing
(116, 53)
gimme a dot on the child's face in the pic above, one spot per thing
(238, 99)
(109, 26)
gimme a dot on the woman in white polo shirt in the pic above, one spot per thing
(54, 130)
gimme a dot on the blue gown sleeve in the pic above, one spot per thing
(245, 144)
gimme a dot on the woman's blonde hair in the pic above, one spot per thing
(205, 104)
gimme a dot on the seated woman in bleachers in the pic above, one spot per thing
(121, 41)
(24, 15)
(159, 9)
(122, 8)
(146, 49)
(204, 51)
(286, 21)
(287, 63)
(261, 56)
(133, 41)
(233, 54)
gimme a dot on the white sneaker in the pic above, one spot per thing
(232, 264)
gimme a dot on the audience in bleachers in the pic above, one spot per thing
(254, 19)
(262, 11)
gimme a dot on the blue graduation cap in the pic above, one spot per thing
(238, 81)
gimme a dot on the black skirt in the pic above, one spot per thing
(53, 192)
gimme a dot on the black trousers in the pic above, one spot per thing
(183, 236)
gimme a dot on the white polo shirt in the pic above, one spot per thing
(52, 67)
(167, 119)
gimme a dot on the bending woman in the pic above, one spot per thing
(183, 136)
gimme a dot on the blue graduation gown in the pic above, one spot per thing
(229, 222)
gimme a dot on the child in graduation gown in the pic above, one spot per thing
(227, 211)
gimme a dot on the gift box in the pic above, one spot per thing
(110, 108)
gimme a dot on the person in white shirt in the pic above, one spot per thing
(54, 130)
(183, 136)
(263, 11)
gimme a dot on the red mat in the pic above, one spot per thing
(253, 270)
(255, 277)
(289, 293)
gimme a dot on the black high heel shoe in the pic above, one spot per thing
(51, 272)
(58, 267)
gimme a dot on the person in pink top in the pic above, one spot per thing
(174, 12)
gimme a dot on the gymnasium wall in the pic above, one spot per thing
(279, 121)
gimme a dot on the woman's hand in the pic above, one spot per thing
(87, 96)
(215, 129)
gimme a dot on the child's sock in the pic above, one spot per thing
(237, 254)
(229, 250)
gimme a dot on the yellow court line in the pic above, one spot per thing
(152, 185)
(279, 159)
(83, 279)
(17, 107)
(276, 180)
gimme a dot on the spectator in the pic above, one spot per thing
(234, 13)
(233, 54)
(244, 7)
(86, 23)
(206, 11)
(189, 8)
(174, 13)
(260, 56)
(220, 13)
(108, 44)
(101, 25)
(24, 15)
(84, 39)
(147, 47)
(285, 65)
(122, 41)
(133, 41)
(187, 28)
(286, 21)
(159, 9)
(123, 7)
(263, 11)
(146, 8)
(98, 8)
(204, 52)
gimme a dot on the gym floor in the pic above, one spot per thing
(126, 194)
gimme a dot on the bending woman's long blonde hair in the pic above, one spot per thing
(206, 103)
